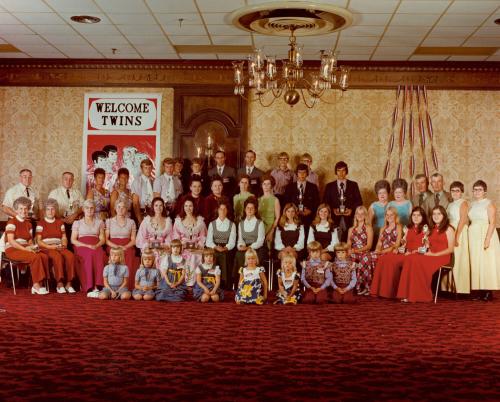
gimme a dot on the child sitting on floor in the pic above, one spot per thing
(343, 276)
(252, 285)
(316, 275)
(147, 277)
(115, 277)
(207, 286)
(173, 272)
(288, 282)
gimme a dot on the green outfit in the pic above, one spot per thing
(238, 201)
(266, 210)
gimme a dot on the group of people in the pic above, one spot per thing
(201, 231)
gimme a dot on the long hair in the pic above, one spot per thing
(355, 221)
(282, 222)
(396, 217)
(421, 224)
(317, 219)
(444, 223)
(251, 200)
(182, 212)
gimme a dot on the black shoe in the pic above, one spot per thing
(488, 296)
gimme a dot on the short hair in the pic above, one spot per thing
(382, 185)
(422, 175)
(341, 165)
(342, 246)
(146, 162)
(243, 176)
(222, 202)
(220, 151)
(176, 243)
(51, 202)
(88, 204)
(25, 201)
(267, 176)
(148, 252)
(117, 250)
(198, 161)
(25, 170)
(283, 155)
(459, 185)
(98, 154)
(306, 155)
(70, 173)
(252, 152)
(196, 178)
(151, 210)
(99, 171)
(110, 148)
(400, 183)
(251, 253)
(120, 202)
(291, 259)
(251, 200)
(302, 166)
(216, 178)
(168, 161)
(314, 246)
(179, 160)
(480, 183)
(437, 175)
(123, 170)
(207, 251)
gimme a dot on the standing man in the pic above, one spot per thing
(168, 186)
(343, 197)
(253, 172)
(22, 189)
(304, 194)
(283, 175)
(312, 177)
(438, 197)
(195, 190)
(422, 186)
(227, 173)
(142, 190)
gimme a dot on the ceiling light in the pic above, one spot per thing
(85, 19)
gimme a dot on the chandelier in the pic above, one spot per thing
(291, 83)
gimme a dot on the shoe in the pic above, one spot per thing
(404, 300)
(360, 292)
(70, 289)
(488, 296)
(366, 292)
(40, 291)
(61, 290)
(94, 294)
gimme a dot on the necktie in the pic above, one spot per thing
(436, 199)
(342, 186)
(420, 199)
(27, 192)
(67, 193)
(220, 171)
(249, 171)
(301, 189)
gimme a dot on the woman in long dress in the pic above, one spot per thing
(121, 192)
(269, 207)
(457, 213)
(418, 269)
(484, 247)
(100, 195)
(402, 205)
(376, 211)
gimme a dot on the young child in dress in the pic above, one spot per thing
(316, 275)
(288, 282)
(207, 286)
(343, 276)
(252, 285)
(147, 277)
(172, 269)
(115, 277)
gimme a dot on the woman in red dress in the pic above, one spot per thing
(388, 269)
(418, 269)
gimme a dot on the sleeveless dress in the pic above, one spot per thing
(250, 289)
(388, 269)
(364, 261)
(404, 211)
(208, 277)
(288, 282)
(266, 210)
(173, 271)
(101, 204)
(418, 269)
(461, 264)
(379, 211)
(485, 264)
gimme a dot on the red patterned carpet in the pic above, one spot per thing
(69, 347)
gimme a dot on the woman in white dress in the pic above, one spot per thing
(484, 247)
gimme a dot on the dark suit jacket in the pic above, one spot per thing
(352, 195)
(255, 183)
(205, 183)
(310, 200)
(228, 179)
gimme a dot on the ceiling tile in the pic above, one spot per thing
(358, 41)
(365, 30)
(6, 18)
(423, 6)
(321, 39)
(36, 48)
(232, 40)
(355, 50)
(460, 20)
(121, 55)
(232, 56)
(84, 55)
(162, 56)
(24, 39)
(488, 31)
(173, 19)
(428, 57)
(147, 40)
(76, 48)
(395, 50)
(261, 40)
(110, 40)
(406, 30)
(52, 29)
(121, 48)
(493, 58)
(225, 30)
(490, 22)
(15, 30)
(156, 49)
(190, 40)
(40, 18)
(140, 29)
(198, 56)
(172, 6)
(125, 6)
(467, 58)
(65, 39)
(483, 41)
(371, 19)
(73, 6)
(443, 41)
(191, 30)
(370, 6)
(96, 29)
(389, 57)
(16, 55)
(452, 31)
(131, 19)
(414, 19)
(218, 6)
(215, 18)
(48, 55)
(401, 40)
(472, 7)
(354, 57)
(25, 6)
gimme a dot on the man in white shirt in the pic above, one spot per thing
(142, 190)
(226, 173)
(69, 199)
(168, 186)
(22, 189)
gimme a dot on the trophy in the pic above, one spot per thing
(425, 241)
(190, 244)
(301, 201)
(402, 248)
(342, 203)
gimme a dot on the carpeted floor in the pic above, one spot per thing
(69, 347)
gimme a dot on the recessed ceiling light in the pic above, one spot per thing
(85, 19)
(497, 21)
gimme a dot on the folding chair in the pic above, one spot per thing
(449, 271)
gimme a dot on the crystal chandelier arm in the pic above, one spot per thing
(259, 97)
(305, 100)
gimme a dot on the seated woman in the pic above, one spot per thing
(120, 233)
(240, 198)
(88, 238)
(269, 207)
(323, 231)
(51, 237)
(251, 235)
(190, 229)
(100, 195)
(376, 211)
(121, 192)
(388, 269)
(289, 238)
(418, 269)
(221, 237)
(155, 230)
(359, 243)
(20, 246)
(402, 205)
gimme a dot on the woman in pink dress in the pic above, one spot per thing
(388, 269)
(418, 269)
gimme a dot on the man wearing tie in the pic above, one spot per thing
(168, 186)
(422, 186)
(142, 190)
(438, 197)
(22, 189)
(304, 194)
(253, 172)
(343, 197)
(226, 173)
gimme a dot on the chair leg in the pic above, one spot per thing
(437, 286)
(12, 277)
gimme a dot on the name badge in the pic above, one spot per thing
(211, 271)
(225, 180)
(253, 181)
(321, 271)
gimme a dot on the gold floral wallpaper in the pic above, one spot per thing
(41, 128)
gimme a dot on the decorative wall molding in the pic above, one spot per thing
(167, 73)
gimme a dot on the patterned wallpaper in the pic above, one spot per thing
(41, 128)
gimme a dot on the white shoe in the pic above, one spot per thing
(70, 289)
(93, 294)
(61, 290)
(40, 291)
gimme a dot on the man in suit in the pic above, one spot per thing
(304, 194)
(343, 197)
(438, 197)
(422, 193)
(168, 186)
(253, 172)
(226, 173)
